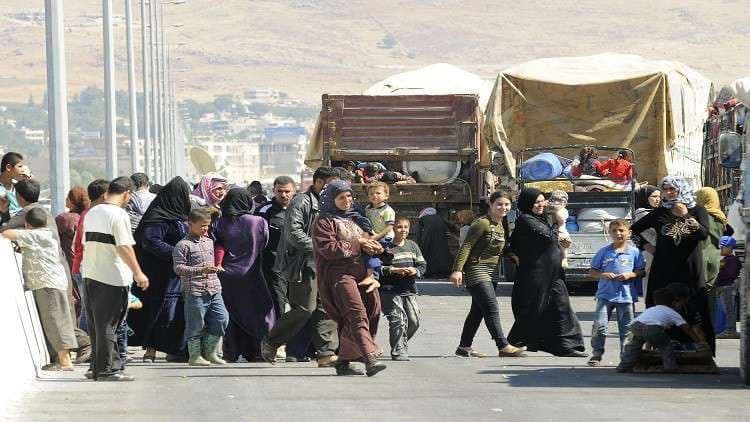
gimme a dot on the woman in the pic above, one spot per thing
(708, 198)
(160, 324)
(354, 304)
(240, 239)
(67, 223)
(210, 191)
(681, 226)
(433, 241)
(478, 259)
(647, 199)
(544, 317)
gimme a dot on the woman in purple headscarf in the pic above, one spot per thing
(240, 240)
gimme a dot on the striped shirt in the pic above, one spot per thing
(190, 255)
(404, 256)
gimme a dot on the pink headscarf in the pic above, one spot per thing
(205, 188)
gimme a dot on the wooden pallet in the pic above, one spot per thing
(690, 362)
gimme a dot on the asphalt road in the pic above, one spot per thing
(434, 386)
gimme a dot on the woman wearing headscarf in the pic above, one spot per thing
(647, 198)
(544, 318)
(160, 324)
(432, 239)
(210, 191)
(708, 198)
(681, 227)
(240, 240)
(339, 243)
(67, 223)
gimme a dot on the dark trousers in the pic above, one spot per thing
(106, 306)
(483, 306)
(122, 342)
(305, 305)
(278, 286)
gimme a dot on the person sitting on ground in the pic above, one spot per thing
(45, 276)
(650, 327)
(206, 317)
(616, 266)
(398, 288)
(726, 286)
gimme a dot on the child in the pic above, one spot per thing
(619, 169)
(45, 276)
(586, 163)
(381, 215)
(206, 318)
(616, 266)
(557, 213)
(650, 327)
(726, 285)
(398, 289)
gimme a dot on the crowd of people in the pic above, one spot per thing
(214, 273)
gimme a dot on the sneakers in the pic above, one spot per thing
(116, 377)
(596, 360)
(344, 368)
(728, 335)
(268, 351)
(281, 352)
(468, 352)
(511, 351)
(327, 361)
(372, 366)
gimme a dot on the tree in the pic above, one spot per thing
(224, 102)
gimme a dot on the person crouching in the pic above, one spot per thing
(206, 317)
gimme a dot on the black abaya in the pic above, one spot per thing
(544, 318)
(433, 242)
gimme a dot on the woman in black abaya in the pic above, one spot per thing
(544, 318)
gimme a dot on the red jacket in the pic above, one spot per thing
(618, 170)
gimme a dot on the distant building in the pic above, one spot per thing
(239, 161)
(282, 151)
(35, 137)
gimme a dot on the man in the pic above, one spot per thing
(13, 169)
(109, 266)
(273, 212)
(140, 199)
(296, 265)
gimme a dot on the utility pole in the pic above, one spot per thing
(158, 152)
(134, 166)
(147, 153)
(57, 104)
(110, 117)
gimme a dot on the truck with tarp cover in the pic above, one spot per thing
(656, 109)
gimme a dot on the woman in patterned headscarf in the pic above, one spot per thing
(681, 227)
(210, 190)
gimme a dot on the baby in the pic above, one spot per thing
(557, 213)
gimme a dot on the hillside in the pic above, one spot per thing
(307, 47)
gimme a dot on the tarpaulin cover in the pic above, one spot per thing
(656, 108)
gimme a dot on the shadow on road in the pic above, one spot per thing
(585, 377)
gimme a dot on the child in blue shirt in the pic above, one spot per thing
(616, 266)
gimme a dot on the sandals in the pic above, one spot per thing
(54, 366)
(511, 351)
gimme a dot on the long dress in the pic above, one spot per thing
(433, 242)
(160, 324)
(679, 259)
(241, 240)
(339, 268)
(544, 318)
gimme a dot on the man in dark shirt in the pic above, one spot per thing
(273, 212)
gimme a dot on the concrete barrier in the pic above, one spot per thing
(23, 351)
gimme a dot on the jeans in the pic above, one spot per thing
(122, 342)
(305, 305)
(601, 319)
(654, 335)
(205, 314)
(483, 306)
(107, 308)
(82, 320)
(727, 298)
(402, 312)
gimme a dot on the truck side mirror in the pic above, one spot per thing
(730, 150)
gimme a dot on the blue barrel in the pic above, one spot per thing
(541, 167)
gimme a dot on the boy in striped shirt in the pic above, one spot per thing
(398, 288)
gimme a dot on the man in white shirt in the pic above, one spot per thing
(109, 267)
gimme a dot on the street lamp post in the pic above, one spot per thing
(110, 135)
(158, 168)
(147, 154)
(57, 104)
(134, 166)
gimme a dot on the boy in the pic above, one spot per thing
(726, 285)
(13, 169)
(616, 266)
(650, 327)
(45, 276)
(204, 307)
(379, 212)
(398, 289)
